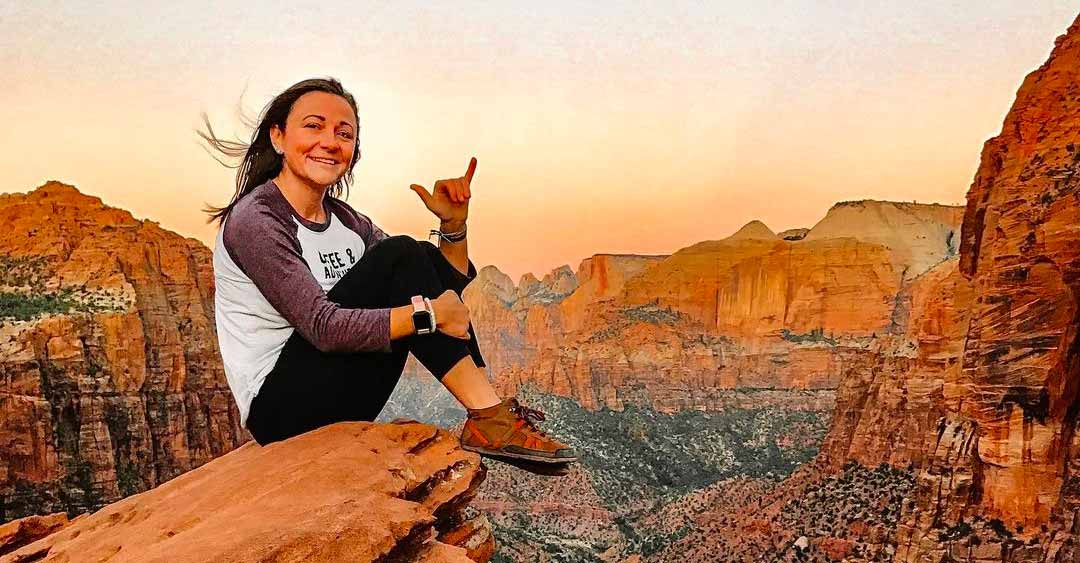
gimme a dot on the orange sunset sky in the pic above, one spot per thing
(613, 128)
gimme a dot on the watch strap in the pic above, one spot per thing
(431, 310)
(422, 306)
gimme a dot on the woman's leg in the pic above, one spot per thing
(308, 388)
(470, 385)
(466, 381)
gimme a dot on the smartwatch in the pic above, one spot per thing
(423, 316)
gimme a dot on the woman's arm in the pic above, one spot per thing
(265, 250)
(450, 203)
(401, 323)
(457, 253)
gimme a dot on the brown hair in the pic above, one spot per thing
(259, 161)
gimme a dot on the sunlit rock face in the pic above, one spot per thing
(988, 365)
(888, 403)
(1021, 250)
(110, 378)
(682, 331)
(912, 232)
(1006, 452)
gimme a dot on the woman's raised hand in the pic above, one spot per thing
(450, 202)
(451, 315)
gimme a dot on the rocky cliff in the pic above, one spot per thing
(978, 395)
(351, 491)
(110, 379)
(1004, 459)
(891, 400)
(753, 310)
(912, 232)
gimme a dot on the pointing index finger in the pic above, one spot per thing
(472, 169)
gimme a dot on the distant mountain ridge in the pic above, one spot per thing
(750, 310)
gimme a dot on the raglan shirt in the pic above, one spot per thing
(272, 270)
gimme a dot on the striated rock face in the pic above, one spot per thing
(352, 491)
(521, 326)
(1021, 250)
(110, 379)
(1007, 451)
(891, 400)
(753, 310)
(979, 392)
(600, 278)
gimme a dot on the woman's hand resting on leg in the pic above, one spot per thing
(451, 315)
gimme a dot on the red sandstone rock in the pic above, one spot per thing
(474, 536)
(681, 331)
(1021, 249)
(890, 400)
(350, 491)
(18, 533)
(995, 354)
(99, 404)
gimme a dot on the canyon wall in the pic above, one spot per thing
(888, 403)
(978, 394)
(110, 379)
(686, 331)
(1021, 250)
(1007, 451)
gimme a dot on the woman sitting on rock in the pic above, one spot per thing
(317, 308)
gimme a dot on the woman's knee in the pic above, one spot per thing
(399, 247)
(405, 243)
(399, 244)
(411, 257)
(426, 258)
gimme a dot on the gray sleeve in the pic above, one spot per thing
(369, 231)
(269, 254)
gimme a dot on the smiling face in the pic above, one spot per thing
(319, 139)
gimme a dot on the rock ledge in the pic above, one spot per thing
(352, 491)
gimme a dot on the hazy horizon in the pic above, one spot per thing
(598, 130)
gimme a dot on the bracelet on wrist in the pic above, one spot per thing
(456, 236)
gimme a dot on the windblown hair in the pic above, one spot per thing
(259, 161)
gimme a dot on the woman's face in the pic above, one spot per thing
(319, 138)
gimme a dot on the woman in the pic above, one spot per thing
(317, 308)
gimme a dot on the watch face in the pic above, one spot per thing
(422, 321)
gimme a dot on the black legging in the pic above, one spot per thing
(308, 389)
